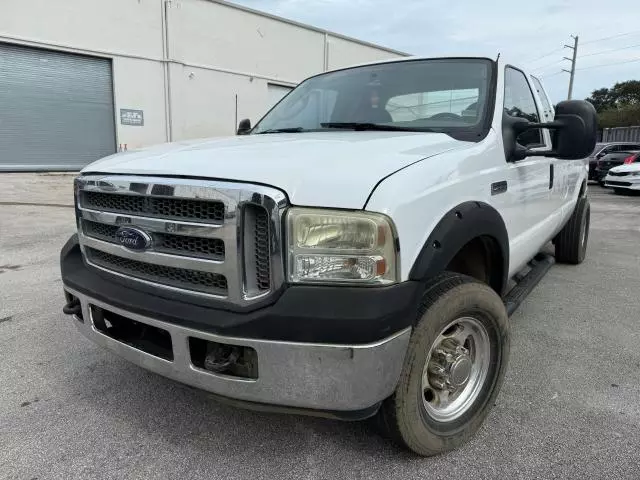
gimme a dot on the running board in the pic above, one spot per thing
(539, 266)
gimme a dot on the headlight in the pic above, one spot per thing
(333, 246)
(634, 174)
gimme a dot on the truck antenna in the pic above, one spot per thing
(498, 57)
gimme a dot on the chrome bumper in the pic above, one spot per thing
(299, 375)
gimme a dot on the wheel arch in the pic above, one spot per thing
(583, 189)
(464, 225)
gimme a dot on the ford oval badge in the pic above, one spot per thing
(133, 238)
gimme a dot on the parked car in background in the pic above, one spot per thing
(603, 149)
(625, 178)
(613, 160)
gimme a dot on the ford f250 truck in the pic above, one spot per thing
(357, 252)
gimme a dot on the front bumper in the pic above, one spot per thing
(627, 182)
(305, 369)
(300, 375)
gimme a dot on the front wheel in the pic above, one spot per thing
(453, 370)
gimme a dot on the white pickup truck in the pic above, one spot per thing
(353, 254)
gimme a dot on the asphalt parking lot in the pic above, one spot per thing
(569, 407)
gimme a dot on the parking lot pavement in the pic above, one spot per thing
(568, 409)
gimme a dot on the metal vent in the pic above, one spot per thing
(171, 208)
(261, 239)
(257, 258)
(205, 282)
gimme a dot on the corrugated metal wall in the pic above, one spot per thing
(621, 134)
(56, 109)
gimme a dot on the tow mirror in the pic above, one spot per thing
(244, 127)
(574, 131)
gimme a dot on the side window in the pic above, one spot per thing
(546, 104)
(519, 102)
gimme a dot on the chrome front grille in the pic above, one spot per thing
(204, 238)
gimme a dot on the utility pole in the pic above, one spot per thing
(572, 72)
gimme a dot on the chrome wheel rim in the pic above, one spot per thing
(456, 369)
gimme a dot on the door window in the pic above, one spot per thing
(519, 102)
(546, 104)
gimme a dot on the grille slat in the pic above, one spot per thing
(158, 207)
(209, 248)
(205, 282)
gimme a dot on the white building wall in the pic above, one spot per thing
(183, 62)
(343, 53)
(207, 33)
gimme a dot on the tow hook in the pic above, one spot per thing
(73, 307)
(221, 358)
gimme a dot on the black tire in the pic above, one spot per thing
(601, 183)
(619, 191)
(571, 242)
(404, 416)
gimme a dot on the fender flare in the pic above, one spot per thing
(459, 226)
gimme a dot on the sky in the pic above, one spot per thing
(521, 31)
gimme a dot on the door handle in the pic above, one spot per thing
(550, 176)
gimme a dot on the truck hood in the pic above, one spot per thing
(331, 169)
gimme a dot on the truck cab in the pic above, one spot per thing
(350, 255)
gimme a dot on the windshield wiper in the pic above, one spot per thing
(373, 126)
(282, 130)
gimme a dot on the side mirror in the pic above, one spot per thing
(244, 127)
(574, 132)
(576, 129)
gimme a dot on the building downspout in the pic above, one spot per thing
(166, 71)
(326, 52)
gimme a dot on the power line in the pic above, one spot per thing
(610, 64)
(552, 75)
(548, 65)
(612, 36)
(544, 56)
(608, 51)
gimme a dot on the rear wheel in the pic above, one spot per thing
(454, 367)
(571, 242)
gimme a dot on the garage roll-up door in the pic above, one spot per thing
(56, 109)
(275, 94)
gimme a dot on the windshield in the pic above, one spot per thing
(443, 95)
(597, 148)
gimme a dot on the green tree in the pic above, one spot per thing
(618, 106)
(626, 93)
(601, 99)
